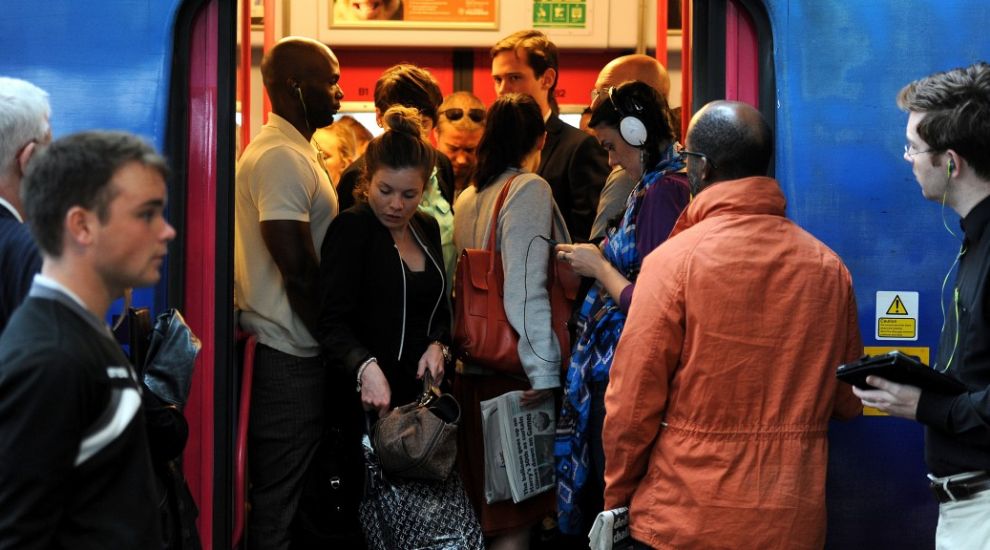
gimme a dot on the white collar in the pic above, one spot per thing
(290, 131)
(8, 206)
(52, 284)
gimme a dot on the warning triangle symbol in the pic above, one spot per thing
(897, 307)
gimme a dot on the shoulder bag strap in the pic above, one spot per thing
(494, 225)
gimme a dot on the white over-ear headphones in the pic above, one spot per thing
(631, 127)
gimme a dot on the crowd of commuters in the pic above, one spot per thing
(344, 253)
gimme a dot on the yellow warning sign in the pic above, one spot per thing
(897, 307)
(890, 327)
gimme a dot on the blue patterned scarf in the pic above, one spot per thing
(601, 322)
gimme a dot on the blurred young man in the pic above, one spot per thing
(75, 468)
(948, 147)
(572, 162)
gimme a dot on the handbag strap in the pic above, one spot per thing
(494, 225)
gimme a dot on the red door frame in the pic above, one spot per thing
(201, 257)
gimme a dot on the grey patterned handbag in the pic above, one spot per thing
(408, 514)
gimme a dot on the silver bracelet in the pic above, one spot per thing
(361, 368)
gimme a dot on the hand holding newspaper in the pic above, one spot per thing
(519, 459)
(610, 530)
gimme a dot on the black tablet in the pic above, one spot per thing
(898, 367)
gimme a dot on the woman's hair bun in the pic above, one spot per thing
(402, 119)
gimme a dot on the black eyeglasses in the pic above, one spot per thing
(685, 153)
(456, 113)
(911, 152)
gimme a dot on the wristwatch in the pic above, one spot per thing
(443, 350)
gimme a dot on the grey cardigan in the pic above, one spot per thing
(529, 210)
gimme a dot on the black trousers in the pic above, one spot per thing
(286, 423)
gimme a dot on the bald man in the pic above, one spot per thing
(462, 121)
(720, 397)
(284, 202)
(618, 185)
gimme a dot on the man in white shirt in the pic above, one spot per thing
(284, 202)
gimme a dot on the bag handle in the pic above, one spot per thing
(494, 225)
(430, 390)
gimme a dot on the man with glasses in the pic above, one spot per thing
(948, 140)
(649, 71)
(572, 162)
(24, 113)
(723, 381)
(462, 121)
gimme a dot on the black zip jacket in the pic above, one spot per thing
(362, 289)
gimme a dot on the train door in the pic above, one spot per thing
(826, 75)
(162, 70)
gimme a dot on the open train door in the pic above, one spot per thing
(201, 150)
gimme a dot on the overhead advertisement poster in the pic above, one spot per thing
(455, 14)
(560, 14)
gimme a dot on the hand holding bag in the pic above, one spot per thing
(482, 333)
(419, 440)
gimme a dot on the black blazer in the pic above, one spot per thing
(361, 288)
(19, 261)
(575, 166)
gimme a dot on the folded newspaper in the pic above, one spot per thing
(519, 459)
(610, 530)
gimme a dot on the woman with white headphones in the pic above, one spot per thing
(633, 125)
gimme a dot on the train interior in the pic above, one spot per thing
(184, 74)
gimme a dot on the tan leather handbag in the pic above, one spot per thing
(482, 333)
(419, 440)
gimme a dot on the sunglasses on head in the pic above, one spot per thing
(456, 113)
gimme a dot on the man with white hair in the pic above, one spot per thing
(24, 113)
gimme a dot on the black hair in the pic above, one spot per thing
(411, 86)
(76, 170)
(513, 128)
(956, 104)
(736, 146)
(401, 146)
(645, 103)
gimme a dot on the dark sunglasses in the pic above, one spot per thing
(456, 113)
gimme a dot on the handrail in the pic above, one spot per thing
(240, 449)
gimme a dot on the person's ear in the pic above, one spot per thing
(378, 118)
(951, 165)
(541, 142)
(25, 154)
(548, 78)
(79, 225)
